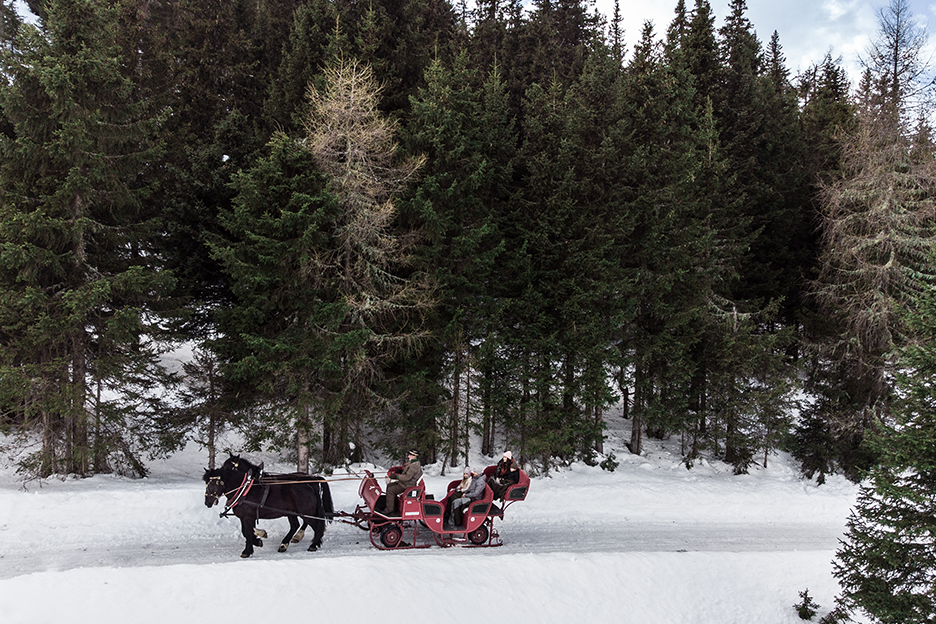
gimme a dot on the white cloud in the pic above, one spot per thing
(836, 9)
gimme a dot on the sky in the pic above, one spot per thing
(808, 29)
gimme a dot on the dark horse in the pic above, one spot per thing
(252, 495)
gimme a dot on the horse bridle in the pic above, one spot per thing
(216, 480)
(240, 490)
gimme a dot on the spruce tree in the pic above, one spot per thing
(827, 114)
(784, 252)
(397, 39)
(9, 23)
(876, 245)
(676, 254)
(548, 199)
(273, 345)
(304, 55)
(886, 565)
(213, 91)
(461, 124)
(77, 310)
(586, 274)
(564, 266)
(700, 51)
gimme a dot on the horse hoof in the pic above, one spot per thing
(313, 548)
(260, 533)
(298, 537)
(244, 555)
(282, 548)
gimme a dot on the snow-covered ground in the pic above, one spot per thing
(650, 543)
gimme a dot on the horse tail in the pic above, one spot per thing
(325, 498)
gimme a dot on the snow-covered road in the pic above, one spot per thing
(651, 543)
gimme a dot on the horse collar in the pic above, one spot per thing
(241, 492)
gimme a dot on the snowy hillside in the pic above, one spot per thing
(650, 543)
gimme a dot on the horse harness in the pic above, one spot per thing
(245, 487)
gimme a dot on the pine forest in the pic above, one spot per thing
(393, 224)
(410, 223)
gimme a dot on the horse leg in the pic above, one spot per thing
(300, 533)
(293, 525)
(318, 527)
(247, 529)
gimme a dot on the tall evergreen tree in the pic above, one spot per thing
(876, 244)
(398, 39)
(677, 255)
(550, 42)
(886, 565)
(564, 266)
(585, 273)
(214, 96)
(9, 23)
(741, 117)
(461, 124)
(77, 283)
(700, 51)
(304, 55)
(489, 33)
(827, 114)
(783, 255)
(274, 345)
(546, 198)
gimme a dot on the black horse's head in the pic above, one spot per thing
(236, 463)
(214, 486)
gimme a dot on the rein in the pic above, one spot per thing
(284, 511)
(268, 481)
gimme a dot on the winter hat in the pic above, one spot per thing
(467, 471)
(413, 452)
(508, 455)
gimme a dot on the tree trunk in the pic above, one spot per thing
(599, 439)
(78, 413)
(47, 462)
(99, 453)
(456, 405)
(636, 441)
(467, 432)
(302, 439)
(487, 418)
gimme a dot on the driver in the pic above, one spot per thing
(410, 476)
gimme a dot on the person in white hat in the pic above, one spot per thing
(506, 474)
(470, 489)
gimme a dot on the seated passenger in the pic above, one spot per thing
(506, 474)
(402, 480)
(470, 489)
